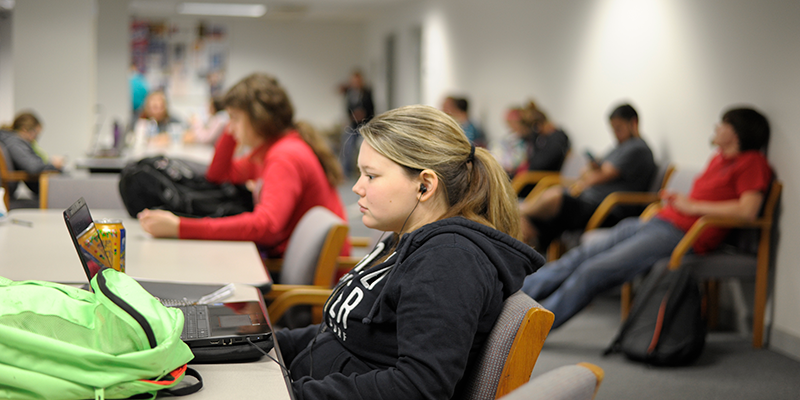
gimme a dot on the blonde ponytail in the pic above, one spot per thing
(474, 184)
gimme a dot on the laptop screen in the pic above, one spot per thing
(86, 239)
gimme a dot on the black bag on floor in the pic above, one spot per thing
(666, 325)
(179, 186)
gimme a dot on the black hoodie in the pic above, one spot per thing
(407, 328)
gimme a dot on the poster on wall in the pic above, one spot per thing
(186, 60)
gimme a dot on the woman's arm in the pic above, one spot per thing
(268, 224)
(746, 206)
(224, 168)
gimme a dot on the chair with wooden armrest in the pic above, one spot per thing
(642, 199)
(511, 349)
(308, 263)
(529, 179)
(10, 178)
(363, 244)
(742, 262)
(634, 201)
(580, 381)
(541, 180)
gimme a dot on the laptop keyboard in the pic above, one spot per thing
(195, 322)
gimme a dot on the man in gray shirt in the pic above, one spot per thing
(628, 167)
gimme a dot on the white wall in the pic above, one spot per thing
(6, 70)
(310, 59)
(680, 62)
(54, 70)
(113, 60)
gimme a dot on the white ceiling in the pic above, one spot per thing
(341, 10)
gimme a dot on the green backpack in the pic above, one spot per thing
(62, 342)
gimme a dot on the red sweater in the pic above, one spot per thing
(723, 179)
(289, 181)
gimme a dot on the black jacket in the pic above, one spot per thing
(407, 328)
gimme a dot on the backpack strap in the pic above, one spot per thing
(193, 388)
(171, 377)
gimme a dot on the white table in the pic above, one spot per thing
(44, 251)
(200, 153)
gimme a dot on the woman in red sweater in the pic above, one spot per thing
(290, 169)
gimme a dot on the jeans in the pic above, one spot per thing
(630, 248)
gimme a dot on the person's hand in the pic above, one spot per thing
(159, 223)
(678, 201)
(57, 161)
(160, 140)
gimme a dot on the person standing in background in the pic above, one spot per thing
(138, 86)
(360, 109)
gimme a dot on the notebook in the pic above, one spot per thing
(216, 324)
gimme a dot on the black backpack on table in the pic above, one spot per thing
(666, 325)
(179, 186)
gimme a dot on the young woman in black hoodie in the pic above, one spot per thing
(412, 316)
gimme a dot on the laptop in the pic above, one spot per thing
(205, 325)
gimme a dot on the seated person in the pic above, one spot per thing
(546, 145)
(20, 142)
(733, 184)
(290, 167)
(155, 123)
(458, 109)
(510, 151)
(412, 316)
(209, 131)
(627, 167)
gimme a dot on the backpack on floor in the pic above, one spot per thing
(179, 186)
(666, 325)
(62, 342)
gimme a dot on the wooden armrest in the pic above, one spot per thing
(359, 241)
(15, 176)
(616, 199)
(526, 178)
(700, 225)
(278, 289)
(651, 211)
(545, 183)
(300, 296)
(346, 263)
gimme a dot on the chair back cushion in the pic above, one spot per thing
(681, 179)
(483, 376)
(570, 382)
(573, 163)
(305, 245)
(658, 177)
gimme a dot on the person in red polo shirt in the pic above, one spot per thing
(289, 168)
(733, 184)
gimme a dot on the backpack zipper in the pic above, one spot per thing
(148, 330)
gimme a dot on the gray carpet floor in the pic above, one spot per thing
(729, 367)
